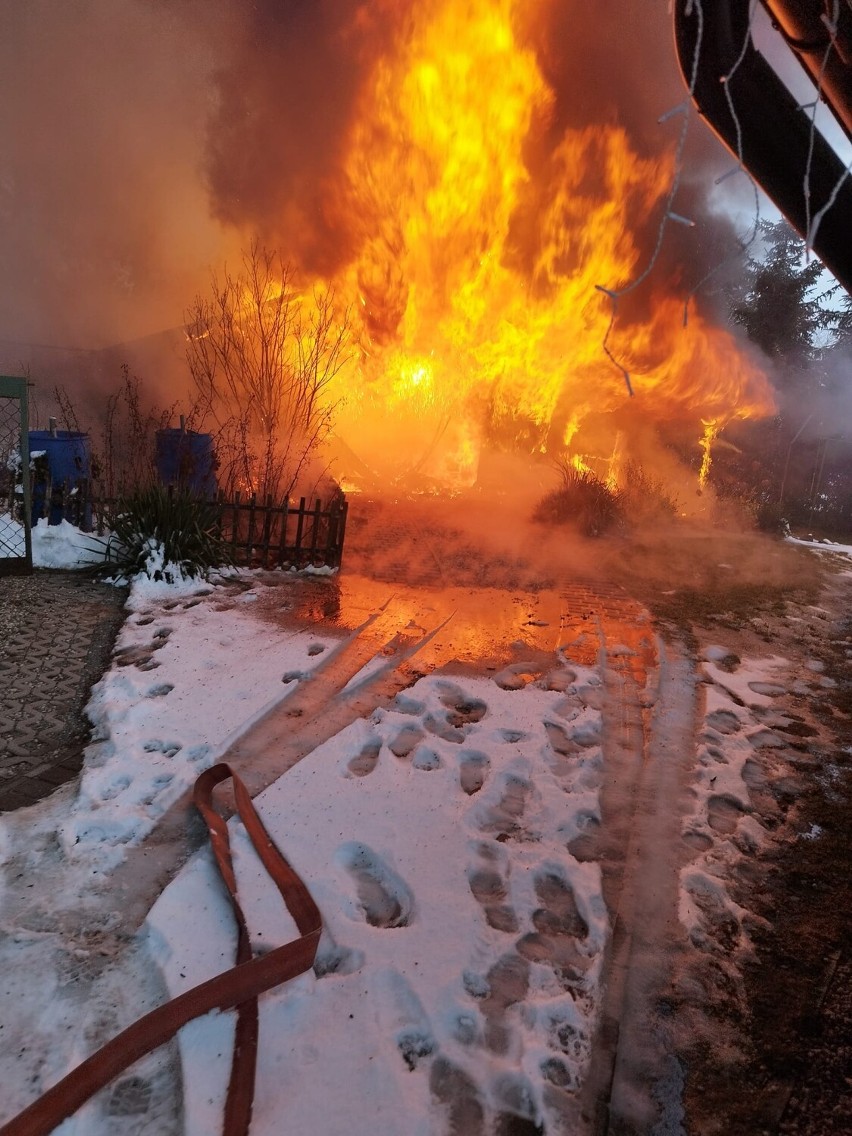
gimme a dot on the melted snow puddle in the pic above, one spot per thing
(458, 977)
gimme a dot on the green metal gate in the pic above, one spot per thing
(16, 555)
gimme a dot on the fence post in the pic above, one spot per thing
(315, 533)
(266, 535)
(250, 536)
(282, 543)
(341, 533)
(235, 525)
(299, 528)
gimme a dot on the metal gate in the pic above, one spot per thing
(15, 538)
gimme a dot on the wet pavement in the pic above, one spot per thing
(57, 630)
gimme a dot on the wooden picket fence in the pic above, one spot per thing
(263, 534)
(258, 534)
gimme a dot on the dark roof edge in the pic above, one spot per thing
(775, 140)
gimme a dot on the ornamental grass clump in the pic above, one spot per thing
(583, 501)
(166, 535)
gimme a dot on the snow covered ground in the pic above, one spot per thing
(433, 837)
(458, 980)
(54, 546)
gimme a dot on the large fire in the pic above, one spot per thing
(479, 255)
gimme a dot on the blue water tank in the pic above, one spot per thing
(69, 464)
(187, 459)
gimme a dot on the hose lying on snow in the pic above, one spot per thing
(236, 988)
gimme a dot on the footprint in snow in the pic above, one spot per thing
(562, 744)
(590, 696)
(698, 841)
(156, 745)
(558, 928)
(116, 786)
(425, 759)
(724, 722)
(403, 704)
(405, 741)
(441, 728)
(769, 689)
(504, 817)
(131, 1096)
(559, 680)
(508, 982)
(587, 734)
(331, 958)
(490, 890)
(452, 1088)
(402, 1016)
(516, 676)
(723, 814)
(586, 845)
(384, 899)
(514, 1093)
(513, 736)
(161, 690)
(365, 760)
(461, 710)
(473, 770)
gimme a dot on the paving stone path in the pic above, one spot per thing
(57, 630)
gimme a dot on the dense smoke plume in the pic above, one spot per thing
(287, 94)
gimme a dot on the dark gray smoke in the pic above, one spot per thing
(285, 100)
(287, 93)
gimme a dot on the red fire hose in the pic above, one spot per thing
(238, 987)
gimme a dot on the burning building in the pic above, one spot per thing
(491, 211)
(483, 185)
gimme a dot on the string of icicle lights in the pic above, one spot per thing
(685, 113)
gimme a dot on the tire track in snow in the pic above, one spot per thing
(649, 745)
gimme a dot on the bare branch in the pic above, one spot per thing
(263, 357)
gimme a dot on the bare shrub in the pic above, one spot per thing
(644, 497)
(124, 444)
(263, 356)
(125, 459)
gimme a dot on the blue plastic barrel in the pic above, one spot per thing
(187, 459)
(69, 465)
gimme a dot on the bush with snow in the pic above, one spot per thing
(166, 536)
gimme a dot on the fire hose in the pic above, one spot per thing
(237, 988)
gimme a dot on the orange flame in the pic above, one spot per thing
(474, 284)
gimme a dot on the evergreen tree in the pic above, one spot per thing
(778, 302)
(787, 309)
